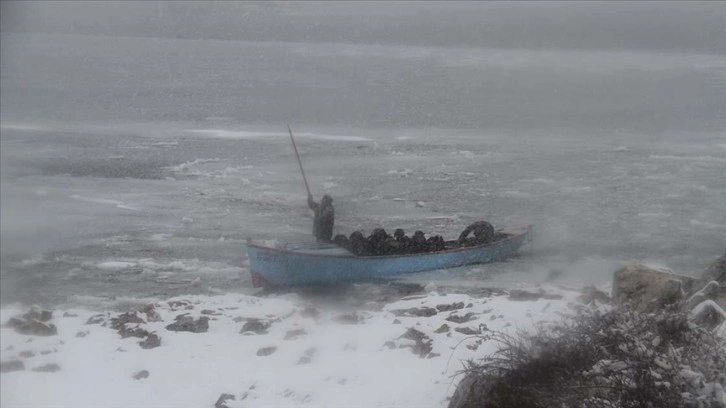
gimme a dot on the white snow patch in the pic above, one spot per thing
(346, 362)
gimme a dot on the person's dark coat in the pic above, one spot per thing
(342, 241)
(418, 242)
(359, 245)
(324, 217)
(404, 242)
(483, 233)
(436, 243)
(377, 241)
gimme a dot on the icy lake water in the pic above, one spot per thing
(132, 167)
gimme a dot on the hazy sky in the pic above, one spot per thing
(657, 26)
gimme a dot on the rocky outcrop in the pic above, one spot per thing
(649, 289)
(646, 288)
(472, 392)
(591, 294)
(716, 271)
(713, 282)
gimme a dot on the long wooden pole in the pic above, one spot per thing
(298, 160)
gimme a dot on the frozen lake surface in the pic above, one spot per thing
(131, 167)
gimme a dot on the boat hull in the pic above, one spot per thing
(272, 266)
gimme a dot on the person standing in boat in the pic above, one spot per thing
(324, 218)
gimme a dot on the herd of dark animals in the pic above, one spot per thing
(380, 243)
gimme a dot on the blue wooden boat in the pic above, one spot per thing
(296, 264)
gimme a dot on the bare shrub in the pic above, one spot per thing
(612, 358)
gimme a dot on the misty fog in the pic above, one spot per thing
(142, 143)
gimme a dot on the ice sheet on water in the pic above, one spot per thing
(97, 200)
(241, 134)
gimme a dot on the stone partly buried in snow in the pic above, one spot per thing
(151, 341)
(33, 323)
(648, 289)
(48, 368)
(129, 325)
(12, 365)
(470, 331)
(36, 328)
(188, 324)
(266, 351)
(422, 344)
(141, 374)
(175, 305)
(119, 322)
(151, 314)
(453, 306)
(415, 312)
(349, 318)
(222, 401)
(455, 318)
(36, 313)
(295, 333)
(255, 326)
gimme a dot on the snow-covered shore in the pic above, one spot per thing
(295, 351)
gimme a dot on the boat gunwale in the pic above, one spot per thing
(526, 229)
